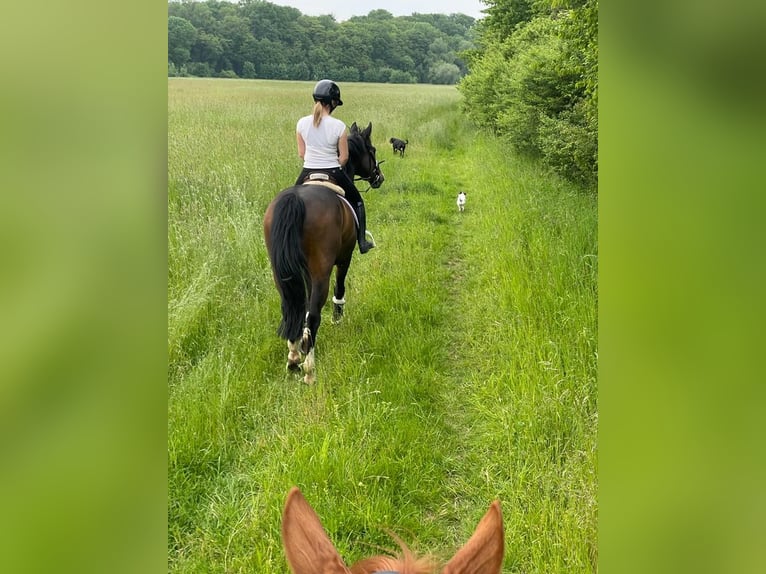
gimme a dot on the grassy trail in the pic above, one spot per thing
(463, 371)
(517, 375)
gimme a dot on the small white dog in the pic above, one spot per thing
(461, 201)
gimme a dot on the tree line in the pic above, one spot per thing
(527, 71)
(258, 39)
(533, 79)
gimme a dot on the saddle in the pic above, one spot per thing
(319, 178)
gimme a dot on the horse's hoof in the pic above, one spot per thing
(293, 367)
(310, 379)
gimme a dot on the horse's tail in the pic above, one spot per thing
(291, 271)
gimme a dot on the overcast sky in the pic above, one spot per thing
(344, 9)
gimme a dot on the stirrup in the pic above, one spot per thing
(368, 244)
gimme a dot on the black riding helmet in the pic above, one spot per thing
(327, 92)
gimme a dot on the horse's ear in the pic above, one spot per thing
(483, 553)
(307, 546)
(367, 131)
(354, 128)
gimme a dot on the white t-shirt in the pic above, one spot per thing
(321, 142)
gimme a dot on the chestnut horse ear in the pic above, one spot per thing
(483, 553)
(307, 546)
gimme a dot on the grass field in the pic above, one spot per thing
(464, 370)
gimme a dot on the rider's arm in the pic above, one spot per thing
(343, 149)
(301, 145)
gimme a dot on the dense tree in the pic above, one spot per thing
(444, 73)
(419, 38)
(181, 37)
(259, 39)
(505, 15)
(208, 48)
(534, 80)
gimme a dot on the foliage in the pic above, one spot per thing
(534, 80)
(400, 77)
(259, 39)
(182, 35)
(504, 15)
(248, 70)
(569, 147)
(444, 73)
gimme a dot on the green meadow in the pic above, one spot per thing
(464, 369)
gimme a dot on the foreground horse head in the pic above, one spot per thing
(310, 551)
(308, 230)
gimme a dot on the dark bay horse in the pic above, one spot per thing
(310, 550)
(309, 230)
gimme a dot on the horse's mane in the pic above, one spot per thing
(405, 563)
(355, 143)
(398, 565)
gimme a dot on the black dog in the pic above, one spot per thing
(399, 145)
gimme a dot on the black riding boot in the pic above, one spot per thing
(364, 245)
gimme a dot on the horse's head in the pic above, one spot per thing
(309, 549)
(361, 156)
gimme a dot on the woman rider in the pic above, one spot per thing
(323, 147)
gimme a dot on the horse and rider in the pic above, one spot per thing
(323, 147)
(310, 229)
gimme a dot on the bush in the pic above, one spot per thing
(201, 70)
(227, 74)
(248, 70)
(399, 77)
(347, 74)
(300, 71)
(570, 147)
(444, 73)
(380, 75)
(521, 124)
(486, 90)
(538, 88)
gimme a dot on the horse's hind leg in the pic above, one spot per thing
(339, 297)
(293, 356)
(309, 368)
(307, 347)
(316, 302)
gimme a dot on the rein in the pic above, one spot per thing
(369, 180)
(375, 172)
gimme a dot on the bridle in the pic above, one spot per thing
(375, 179)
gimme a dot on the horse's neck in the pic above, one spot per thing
(354, 154)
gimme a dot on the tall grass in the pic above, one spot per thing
(464, 370)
